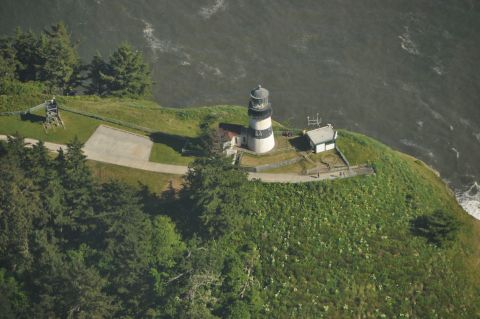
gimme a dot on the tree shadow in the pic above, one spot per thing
(300, 143)
(418, 226)
(34, 118)
(438, 228)
(183, 145)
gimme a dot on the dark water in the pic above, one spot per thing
(404, 72)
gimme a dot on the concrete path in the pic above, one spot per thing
(144, 164)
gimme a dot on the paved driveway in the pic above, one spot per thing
(108, 142)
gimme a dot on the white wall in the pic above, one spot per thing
(329, 146)
(260, 125)
(261, 145)
(320, 148)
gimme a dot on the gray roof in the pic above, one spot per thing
(259, 93)
(322, 134)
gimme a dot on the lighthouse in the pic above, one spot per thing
(260, 133)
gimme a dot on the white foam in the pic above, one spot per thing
(163, 46)
(420, 124)
(208, 12)
(470, 200)
(154, 42)
(407, 43)
(477, 136)
(457, 153)
(209, 69)
(438, 69)
(425, 150)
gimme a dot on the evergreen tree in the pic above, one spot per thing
(28, 56)
(8, 60)
(219, 194)
(19, 208)
(13, 300)
(59, 57)
(96, 71)
(125, 74)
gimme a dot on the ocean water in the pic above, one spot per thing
(404, 72)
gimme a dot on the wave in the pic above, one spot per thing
(208, 12)
(206, 69)
(470, 200)
(457, 153)
(163, 46)
(407, 43)
(477, 136)
(425, 150)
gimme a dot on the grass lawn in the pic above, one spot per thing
(177, 121)
(255, 160)
(297, 168)
(355, 148)
(331, 157)
(31, 126)
(156, 182)
(175, 126)
(162, 153)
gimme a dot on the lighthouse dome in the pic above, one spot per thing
(259, 93)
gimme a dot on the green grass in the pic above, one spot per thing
(172, 126)
(344, 248)
(255, 160)
(162, 153)
(156, 182)
(296, 168)
(176, 121)
(358, 148)
(76, 125)
(18, 96)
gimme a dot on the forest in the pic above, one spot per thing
(391, 245)
(32, 65)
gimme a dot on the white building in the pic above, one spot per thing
(260, 134)
(322, 139)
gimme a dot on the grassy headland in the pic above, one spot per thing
(347, 248)
(332, 249)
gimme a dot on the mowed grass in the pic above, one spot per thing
(177, 121)
(255, 160)
(31, 126)
(296, 168)
(156, 182)
(172, 127)
(162, 153)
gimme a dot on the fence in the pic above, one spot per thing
(30, 110)
(344, 158)
(265, 167)
(109, 120)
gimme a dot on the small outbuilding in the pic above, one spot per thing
(322, 139)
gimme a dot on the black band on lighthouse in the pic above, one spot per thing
(260, 134)
(260, 114)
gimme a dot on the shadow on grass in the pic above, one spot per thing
(32, 118)
(438, 228)
(181, 144)
(300, 143)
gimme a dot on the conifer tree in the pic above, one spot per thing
(27, 53)
(8, 60)
(59, 57)
(125, 74)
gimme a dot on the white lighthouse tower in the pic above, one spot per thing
(260, 133)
